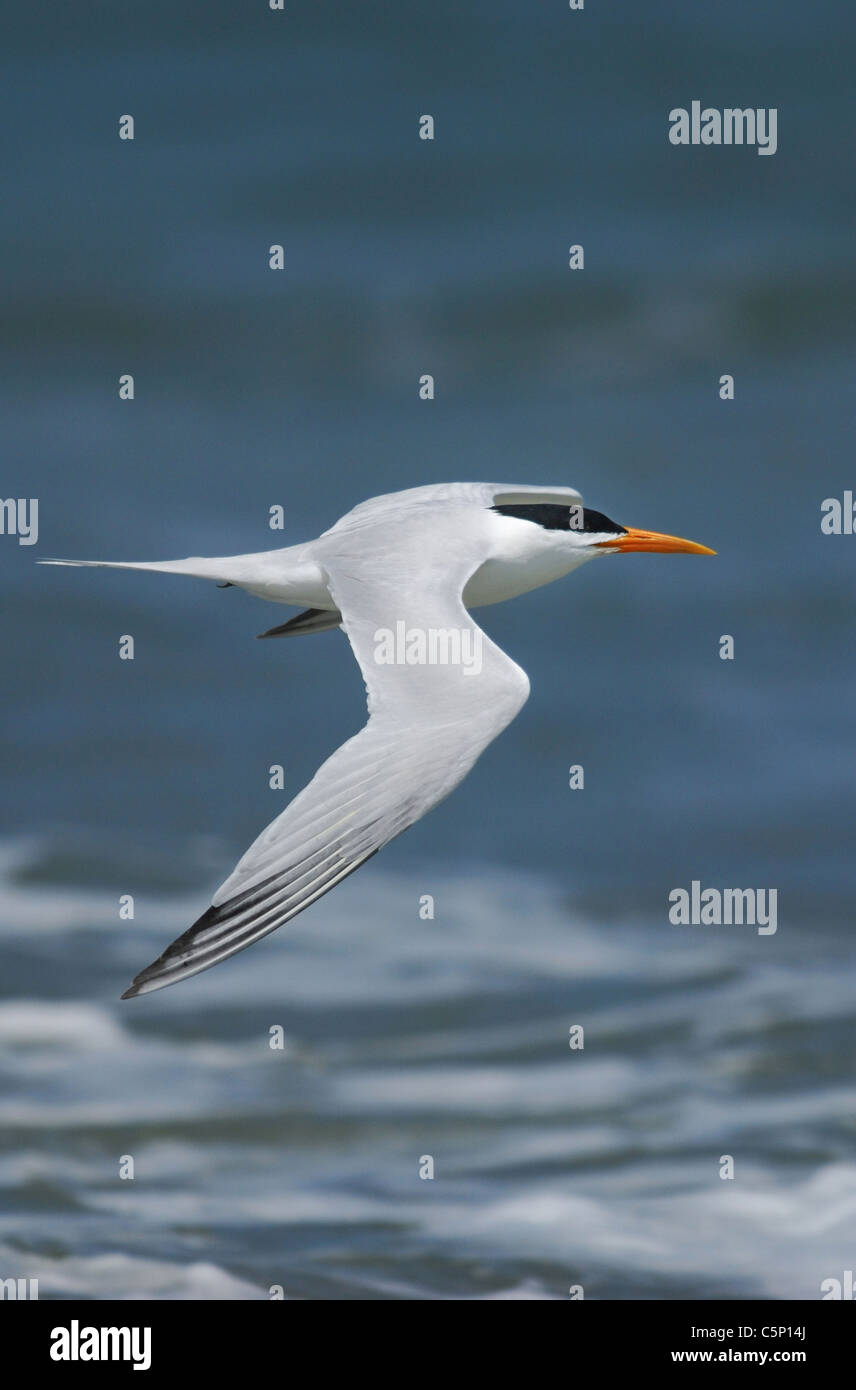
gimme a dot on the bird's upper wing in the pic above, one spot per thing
(428, 723)
(473, 497)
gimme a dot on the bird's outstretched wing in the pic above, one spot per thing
(398, 583)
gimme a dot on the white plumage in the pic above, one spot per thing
(419, 558)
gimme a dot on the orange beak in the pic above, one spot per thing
(653, 541)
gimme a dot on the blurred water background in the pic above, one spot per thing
(403, 1037)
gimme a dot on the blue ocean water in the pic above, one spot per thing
(402, 1038)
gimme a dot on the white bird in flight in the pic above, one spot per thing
(412, 562)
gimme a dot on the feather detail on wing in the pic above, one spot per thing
(429, 720)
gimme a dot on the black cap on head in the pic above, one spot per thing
(554, 517)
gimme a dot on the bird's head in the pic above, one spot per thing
(583, 533)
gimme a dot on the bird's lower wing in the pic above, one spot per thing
(366, 793)
(428, 724)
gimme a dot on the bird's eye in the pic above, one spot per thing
(596, 521)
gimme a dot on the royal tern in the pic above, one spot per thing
(410, 564)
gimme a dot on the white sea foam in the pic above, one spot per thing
(403, 1038)
(126, 1277)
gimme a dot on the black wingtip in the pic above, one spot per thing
(310, 620)
(163, 972)
(284, 629)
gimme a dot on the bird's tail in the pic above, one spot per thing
(197, 567)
